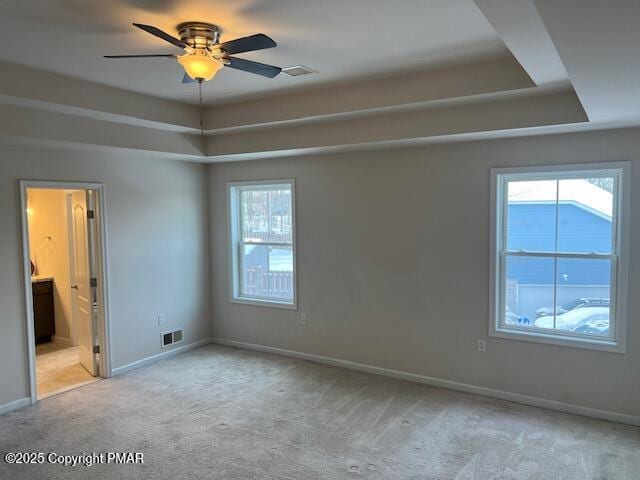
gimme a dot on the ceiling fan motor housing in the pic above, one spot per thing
(199, 34)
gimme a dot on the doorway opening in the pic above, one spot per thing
(65, 285)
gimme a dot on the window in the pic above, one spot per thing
(558, 255)
(263, 253)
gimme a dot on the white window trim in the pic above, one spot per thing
(232, 241)
(617, 344)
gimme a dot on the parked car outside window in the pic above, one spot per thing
(594, 320)
(572, 305)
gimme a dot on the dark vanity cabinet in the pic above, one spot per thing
(43, 316)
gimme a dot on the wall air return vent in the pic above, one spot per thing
(169, 338)
(177, 336)
(298, 70)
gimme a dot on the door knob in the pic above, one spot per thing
(75, 287)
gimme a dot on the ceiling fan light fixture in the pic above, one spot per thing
(200, 65)
(204, 53)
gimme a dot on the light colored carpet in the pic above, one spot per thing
(223, 413)
(58, 368)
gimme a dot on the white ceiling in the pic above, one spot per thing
(339, 38)
(519, 25)
(599, 49)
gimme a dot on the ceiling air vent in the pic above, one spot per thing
(298, 70)
(169, 338)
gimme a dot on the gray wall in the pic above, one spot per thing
(157, 247)
(393, 265)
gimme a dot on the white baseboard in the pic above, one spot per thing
(22, 402)
(154, 358)
(439, 382)
(62, 341)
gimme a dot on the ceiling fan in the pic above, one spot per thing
(204, 55)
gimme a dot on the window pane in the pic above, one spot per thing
(281, 259)
(255, 267)
(266, 214)
(262, 229)
(531, 215)
(585, 214)
(281, 273)
(559, 252)
(529, 289)
(583, 297)
(267, 272)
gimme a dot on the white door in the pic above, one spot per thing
(84, 302)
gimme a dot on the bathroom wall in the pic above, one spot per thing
(49, 251)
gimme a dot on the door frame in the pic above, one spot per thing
(104, 325)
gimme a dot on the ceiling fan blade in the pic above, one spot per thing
(155, 55)
(252, 67)
(160, 34)
(259, 41)
(188, 79)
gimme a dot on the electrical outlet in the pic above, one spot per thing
(482, 346)
(303, 319)
(161, 320)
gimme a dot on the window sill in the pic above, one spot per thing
(560, 340)
(263, 303)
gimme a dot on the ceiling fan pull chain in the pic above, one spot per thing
(201, 120)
